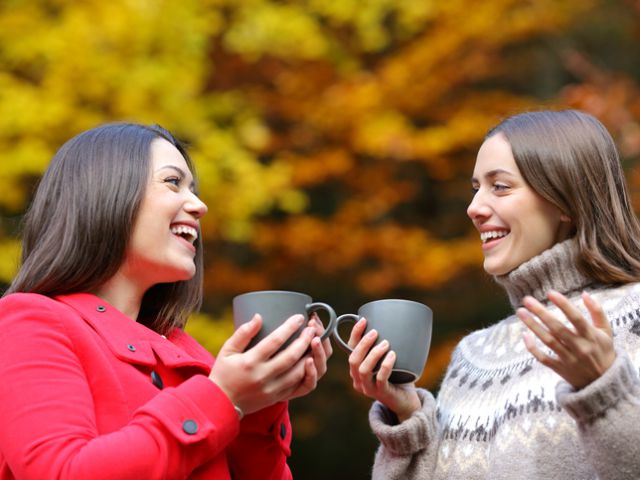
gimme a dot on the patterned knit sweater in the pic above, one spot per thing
(502, 415)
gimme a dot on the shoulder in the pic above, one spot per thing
(619, 300)
(30, 308)
(27, 302)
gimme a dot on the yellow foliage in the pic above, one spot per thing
(209, 332)
(9, 259)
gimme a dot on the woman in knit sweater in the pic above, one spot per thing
(552, 391)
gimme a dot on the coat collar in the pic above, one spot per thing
(133, 342)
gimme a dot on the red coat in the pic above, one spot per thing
(87, 393)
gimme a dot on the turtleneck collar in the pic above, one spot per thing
(555, 268)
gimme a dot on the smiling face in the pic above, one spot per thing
(162, 247)
(515, 222)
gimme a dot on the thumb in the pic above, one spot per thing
(238, 342)
(598, 317)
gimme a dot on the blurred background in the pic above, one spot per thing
(334, 141)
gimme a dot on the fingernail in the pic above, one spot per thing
(371, 333)
(384, 344)
(299, 319)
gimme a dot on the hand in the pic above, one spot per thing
(316, 365)
(401, 399)
(262, 376)
(582, 354)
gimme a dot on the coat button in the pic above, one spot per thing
(283, 431)
(190, 427)
(156, 379)
(131, 347)
(101, 308)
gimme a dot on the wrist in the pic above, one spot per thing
(404, 412)
(239, 411)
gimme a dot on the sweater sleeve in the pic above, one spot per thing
(48, 425)
(607, 413)
(408, 451)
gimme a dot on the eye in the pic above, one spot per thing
(173, 180)
(500, 187)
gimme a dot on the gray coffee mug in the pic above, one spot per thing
(405, 324)
(275, 307)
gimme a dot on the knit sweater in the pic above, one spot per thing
(500, 414)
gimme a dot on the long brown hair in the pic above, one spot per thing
(569, 158)
(78, 227)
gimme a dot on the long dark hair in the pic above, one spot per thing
(79, 224)
(569, 158)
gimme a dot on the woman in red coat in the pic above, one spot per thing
(99, 380)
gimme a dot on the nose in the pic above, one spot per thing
(478, 208)
(195, 206)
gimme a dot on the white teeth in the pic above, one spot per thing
(190, 233)
(484, 236)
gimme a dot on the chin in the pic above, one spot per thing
(186, 276)
(179, 274)
(495, 270)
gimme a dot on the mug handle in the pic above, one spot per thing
(341, 319)
(312, 307)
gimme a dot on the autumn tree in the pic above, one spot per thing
(333, 140)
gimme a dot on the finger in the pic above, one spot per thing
(299, 381)
(317, 325)
(360, 351)
(309, 382)
(554, 326)
(328, 349)
(319, 356)
(571, 312)
(367, 378)
(598, 316)
(386, 368)
(238, 342)
(541, 357)
(282, 361)
(356, 332)
(326, 343)
(270, 344)
(542, 333)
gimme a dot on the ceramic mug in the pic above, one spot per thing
(275, 307)
(405, 324)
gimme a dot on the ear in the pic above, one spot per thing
(565, 218)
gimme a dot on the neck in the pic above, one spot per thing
(555, 268)
(123, 294)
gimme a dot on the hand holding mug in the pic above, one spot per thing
(266, 360)
(266, 374)
(388, 348)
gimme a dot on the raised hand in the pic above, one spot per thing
(580, 354)
(401, 399)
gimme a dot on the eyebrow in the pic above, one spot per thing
(180, 171)
(493, 173)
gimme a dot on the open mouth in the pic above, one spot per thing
(190, 234)
(487, 237)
